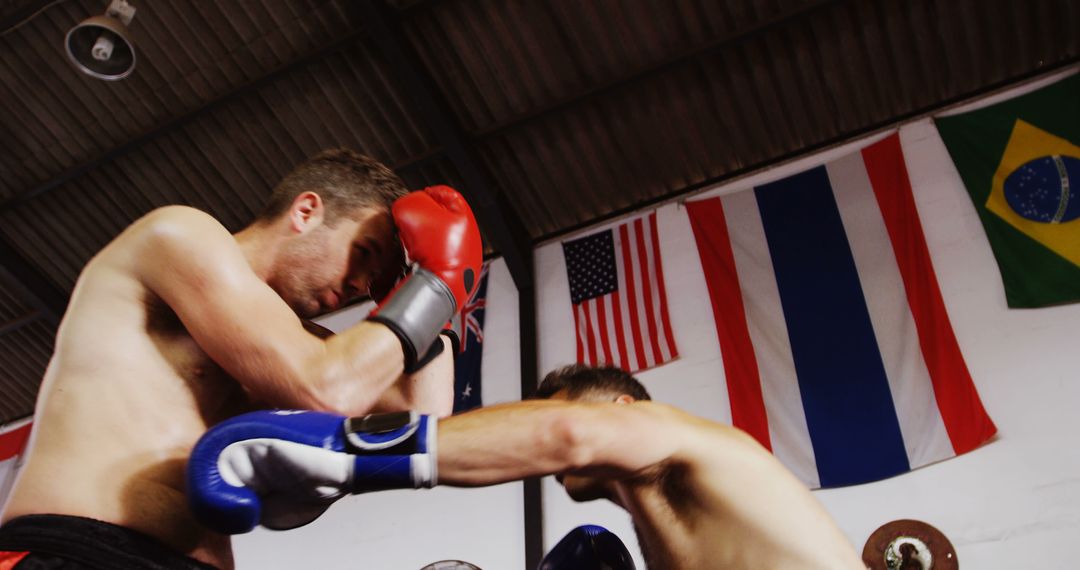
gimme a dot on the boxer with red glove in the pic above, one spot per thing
(442, 244)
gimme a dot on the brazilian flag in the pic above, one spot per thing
(1020, 162)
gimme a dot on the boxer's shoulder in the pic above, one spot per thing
(693, 440)
(162, 232)
(176, 239)
(178, 224)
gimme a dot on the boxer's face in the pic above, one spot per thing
(329, 266)
(582, 488)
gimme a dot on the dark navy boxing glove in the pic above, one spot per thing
(588, 547)
(282, 469)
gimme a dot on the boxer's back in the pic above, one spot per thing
(726, 502)
(126, 395)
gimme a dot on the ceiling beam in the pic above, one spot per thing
(636, 75)
(414, 161)
(21, 14)
(177, 122)
(19, 322)
(842, 138)
(501, 223)
(671, 62)
(20, 276)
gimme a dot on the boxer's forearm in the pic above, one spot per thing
(503, 443)
(535, 438)
(428, 391)
(431, 389)
(357, 366)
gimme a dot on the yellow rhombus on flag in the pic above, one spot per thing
(1020, 162)
(1026, 144)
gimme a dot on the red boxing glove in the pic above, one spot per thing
(440, 234)
(442, 243)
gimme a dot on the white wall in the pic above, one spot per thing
(1014, 503)
(404, 530)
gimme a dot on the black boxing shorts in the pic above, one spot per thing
(64, 542)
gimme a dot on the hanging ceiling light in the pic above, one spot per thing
(101, 46)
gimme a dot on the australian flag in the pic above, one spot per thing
(470, 328)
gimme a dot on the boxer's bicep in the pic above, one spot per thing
(195, 266)
(624, 440)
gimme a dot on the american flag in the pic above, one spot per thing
(617, 291)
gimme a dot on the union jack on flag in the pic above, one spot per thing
(471, 320)
(470, 328)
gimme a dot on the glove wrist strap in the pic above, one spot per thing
(392, 451)
(417, 310)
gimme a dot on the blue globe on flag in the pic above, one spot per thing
(1045, 189)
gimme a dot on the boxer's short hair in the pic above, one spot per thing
(345, 180)
(578, 380)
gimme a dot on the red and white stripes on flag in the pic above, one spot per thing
(13, 438)
(838, 352)
(617, 291)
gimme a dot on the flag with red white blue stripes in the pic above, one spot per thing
(617, 291)
(837, 349)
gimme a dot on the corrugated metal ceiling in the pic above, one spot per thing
(576, 110)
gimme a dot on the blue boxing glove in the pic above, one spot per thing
(588, 547)
(282, 469)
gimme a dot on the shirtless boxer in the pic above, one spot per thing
(178, 324)
(701, 494)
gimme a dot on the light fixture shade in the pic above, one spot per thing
(101, 47)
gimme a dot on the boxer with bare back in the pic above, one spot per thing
(177, 324)
(700, 494)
